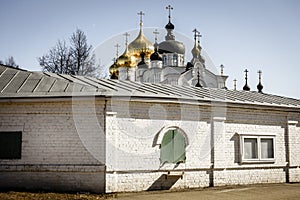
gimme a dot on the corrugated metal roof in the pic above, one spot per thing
(19, 83)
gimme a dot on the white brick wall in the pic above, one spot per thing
(66, 144)
(54, 147)
(133, 161)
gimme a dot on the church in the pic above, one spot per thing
(164, 62)
(158, 123)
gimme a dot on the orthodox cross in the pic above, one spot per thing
(259, 75)
(195, 34)
(141, 17)
(259, 86)
(222, 69)
(246, 74)
(169, 7)
(199, 36)
(126, 37)
(155, 32)
(246, 87)
(117, 47)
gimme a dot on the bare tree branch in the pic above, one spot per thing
(76, 59)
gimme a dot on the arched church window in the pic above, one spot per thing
(173, 147)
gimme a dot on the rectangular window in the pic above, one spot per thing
(257, 148)
(164, 60)
(10, 145)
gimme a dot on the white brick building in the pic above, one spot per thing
(73, 133)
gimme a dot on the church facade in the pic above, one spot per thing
(72, 133)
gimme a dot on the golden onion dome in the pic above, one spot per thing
(113, 70)
(141, 44)
(124, 60)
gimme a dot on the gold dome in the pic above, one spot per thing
(141, 44)
(125, 60)
(113, 70)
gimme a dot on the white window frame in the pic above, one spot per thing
(259, 158)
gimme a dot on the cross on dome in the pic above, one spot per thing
(246, 87)
(141, 17)
(117, 48)
(126, 37)
(155, 32)
(169, 7)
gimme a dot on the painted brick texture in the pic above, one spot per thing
(62, 147)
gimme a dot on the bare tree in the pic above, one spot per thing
(10, 61)
(81, 52)
(77, 59)
(58, 59)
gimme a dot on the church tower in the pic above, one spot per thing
(125, 66)
(172, 51)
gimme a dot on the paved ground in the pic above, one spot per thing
(254, 192)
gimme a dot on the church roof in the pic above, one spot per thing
(17, 83)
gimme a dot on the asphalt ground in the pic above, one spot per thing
(249, 192)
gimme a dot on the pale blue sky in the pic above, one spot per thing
(253, 34)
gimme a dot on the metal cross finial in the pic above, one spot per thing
(259, 86)
(169, 7)
(234, 84)
(222, 69)
(246, 87)
(155, 32)
(117, 47)
(141, 17)
(246, 76)
(126, 37)
(195, 34)
(259, 75)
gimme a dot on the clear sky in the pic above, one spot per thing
(253, 34)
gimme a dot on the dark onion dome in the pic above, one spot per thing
(171, 46)
(155, 55)
(142, 63)
(170, 26)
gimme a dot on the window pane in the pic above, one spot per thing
(250, 148)
(166, 151)
(10, 145)
(267, 148)
(179, 147)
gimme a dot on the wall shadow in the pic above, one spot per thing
(164, 182)
(235, 138)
